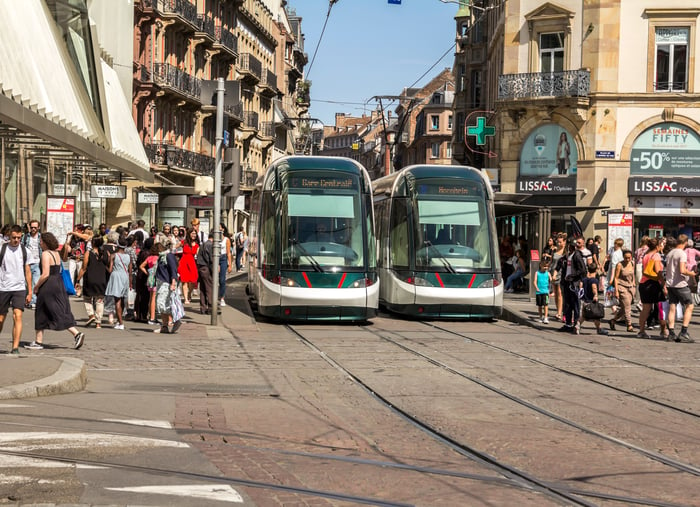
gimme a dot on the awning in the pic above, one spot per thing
(41, 93)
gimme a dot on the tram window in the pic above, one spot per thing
(268, 240)
(399, 234)
(305, 205)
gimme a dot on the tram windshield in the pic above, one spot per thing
(451, 235)
(322, 226)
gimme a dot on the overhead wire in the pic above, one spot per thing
(331, 3)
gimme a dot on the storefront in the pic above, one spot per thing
(664, 184)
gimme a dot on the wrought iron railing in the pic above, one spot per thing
(267, 129)
(570, 83)
(250, 119)
(251, 64)
(143, 74)
(166, 154)
(248, 179)
(269, 79)
(227, 38)
(235, 110)
(206, 24)
(166, 74)
(183, 8)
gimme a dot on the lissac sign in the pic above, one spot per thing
(547, 185)
(664, 186)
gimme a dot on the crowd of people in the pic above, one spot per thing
(661, 274)
(147, 276)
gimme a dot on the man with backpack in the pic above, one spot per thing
(15, 283)
(239, 240)
(572, 285)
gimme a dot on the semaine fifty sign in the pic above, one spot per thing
(553, 185)
(680, 187)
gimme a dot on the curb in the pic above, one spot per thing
(70, 377)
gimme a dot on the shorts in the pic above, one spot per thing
(680, 295)
(650, 292)
(16, 299)
(542, 299)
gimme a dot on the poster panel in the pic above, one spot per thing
(60, 216)
(620, 225)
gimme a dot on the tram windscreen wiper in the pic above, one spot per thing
(314, 262)
(442, 258)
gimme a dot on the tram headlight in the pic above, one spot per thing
(490, 283)
(421, 282)
(288, 282)
(363, 282)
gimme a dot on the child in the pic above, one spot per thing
(590, 294)
(542, 283)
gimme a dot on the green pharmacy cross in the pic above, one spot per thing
(480, 130)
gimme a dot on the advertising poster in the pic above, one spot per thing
(620, 225)
(549, 151)
(60, 216)
(666, 149)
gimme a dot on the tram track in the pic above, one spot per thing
(561, 492)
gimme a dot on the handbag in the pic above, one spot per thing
(67, 282)
(593, 311)
(177, 310)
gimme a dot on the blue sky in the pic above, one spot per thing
(372, 48)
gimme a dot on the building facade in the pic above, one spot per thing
(594, 105)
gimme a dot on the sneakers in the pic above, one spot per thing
(153, 322)
(509, 291)
(602, 331)
(175, 327)
(671, 336)
(34, 346)
(222, 303)
(684, 337)
(564, 329)
(612, 324)
(79, 339)
(14, 352)
(545, 321)
(643, 334)
(161, 330)
(576, 329)
(119, 327)
(90, 321)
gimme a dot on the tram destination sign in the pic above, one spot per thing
(341, 182)
(449, 189)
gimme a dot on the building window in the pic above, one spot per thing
(435, 122)
(449, 122)
(671, 60)
(435, 150)
(552, 52)
(448, 150)
(476, 89)
(460, 130)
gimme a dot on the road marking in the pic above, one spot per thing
(142, 422)
(45, 440)
(211, 492)
(8, 405)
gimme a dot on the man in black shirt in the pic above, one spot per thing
(205, 267)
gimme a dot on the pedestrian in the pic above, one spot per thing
(639, 254)
(148, 267)
(239, 242)
(676, 276)
(143, 295)
(119, 280)
(590, 295)
(519, 271)
(32, 243)
(557, 268)
(140, 226)
(205, 267)
(110, 247)
(52, 305)
(624, 286)
(542, 284)
(187, 268)
(74, 248)
(573, 275)
(693, 255)
(94, 274)
(15, 283)
(166, 288)
(651, 290)
(225, 262)
(201, 238)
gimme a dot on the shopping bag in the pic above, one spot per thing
(67, 282)
(593, 311)
(177, 310)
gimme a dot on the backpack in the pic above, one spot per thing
(4, 249)
(239, 240)
(151, 282)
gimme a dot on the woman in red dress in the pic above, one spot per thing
(187, 268)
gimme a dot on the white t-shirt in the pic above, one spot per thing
(12, 270)
(33, 256)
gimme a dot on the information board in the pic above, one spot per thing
(60, 216)
(620, 225)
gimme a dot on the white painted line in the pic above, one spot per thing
(143, 422)
(8, 405)
(45, 440)
(7, 461)
(213, 492)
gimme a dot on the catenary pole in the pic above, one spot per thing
(216, 250)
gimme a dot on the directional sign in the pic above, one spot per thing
(480, 131)
(395, 2)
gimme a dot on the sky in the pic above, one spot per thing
(372, 48)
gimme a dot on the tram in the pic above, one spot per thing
(312, 249)
(438, 250)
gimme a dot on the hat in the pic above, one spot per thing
(195, 221)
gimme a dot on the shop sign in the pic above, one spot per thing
(549, 151)
(666, 148)
(689, 187)
(108, 191)
(199, 201)
(558, 185)
(147, 198)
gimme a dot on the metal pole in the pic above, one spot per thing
(216, 250)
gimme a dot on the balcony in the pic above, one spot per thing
(571, 83)
(267, 130)
(250, 68)
(179, 10)
(227, 41)
(234, 112)
(248, 179)
(250, 120)
(268, 83)
(170, 77)
(164, 154)
(206, 27)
